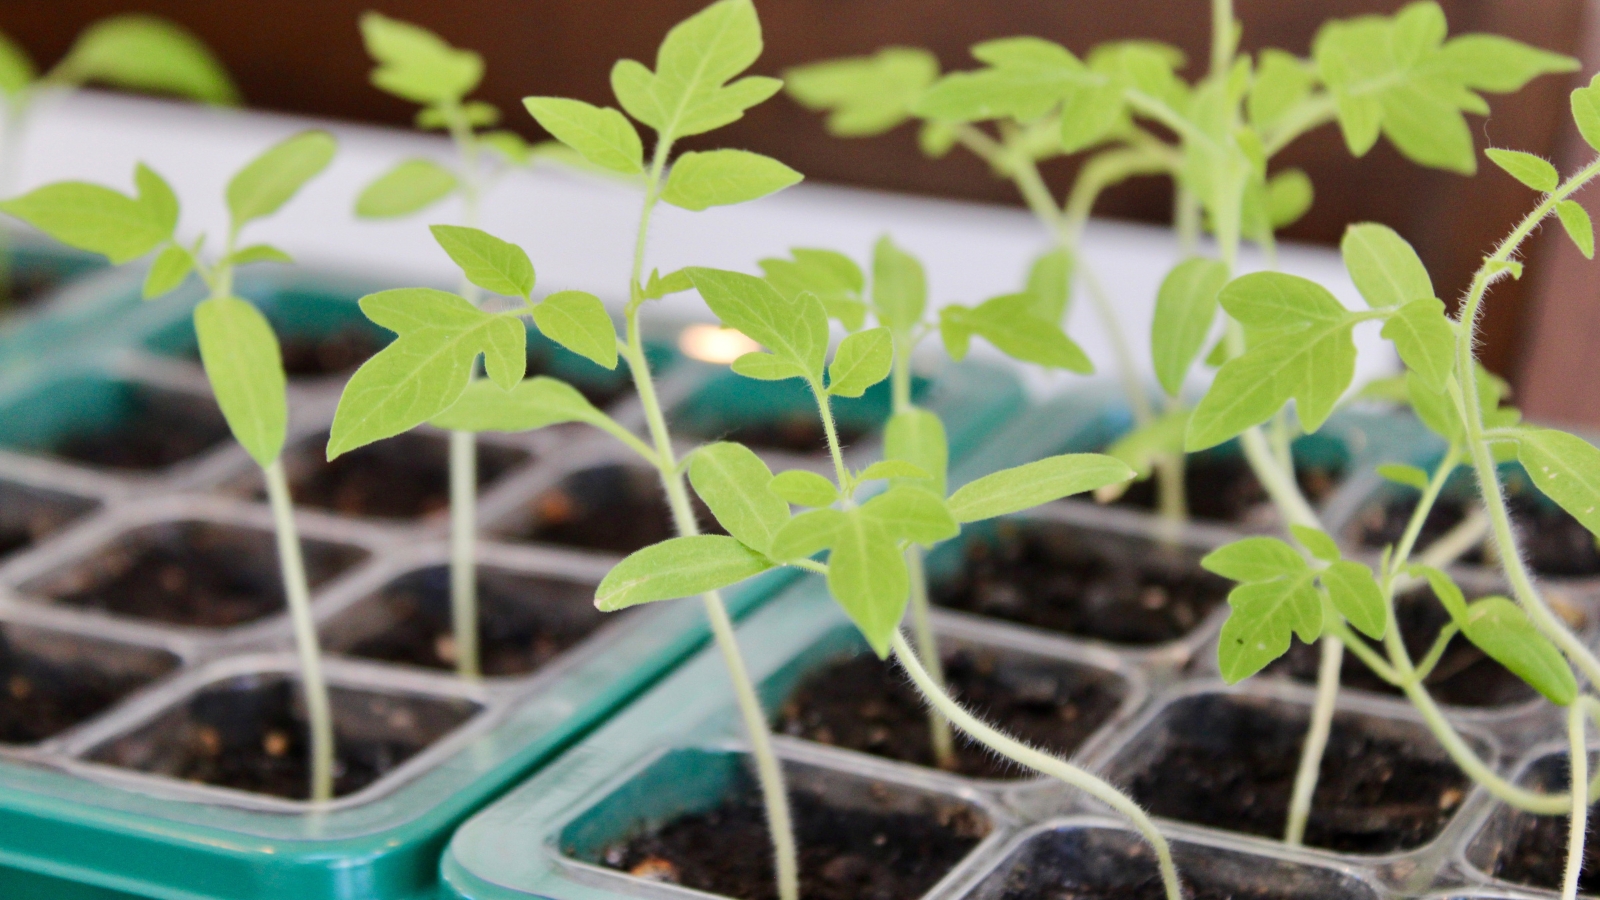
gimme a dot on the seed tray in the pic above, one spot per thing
(120, 555)
(51, 293)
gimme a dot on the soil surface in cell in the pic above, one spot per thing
(1235, 770)
(867, 704)
(41, 696)
(1028, 883)
(26, 517)
(845, 854)
(1534, 849)
(313, 356)
(1128, 592)
(1222, 488)
(798, 432)
(403, 477)
(1464, 675)
(612, 508)
(155, 431)
(255, 738)
(523, 622)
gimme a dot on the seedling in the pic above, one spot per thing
(237, 346)
(416, 65)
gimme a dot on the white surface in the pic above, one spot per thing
(579, 229)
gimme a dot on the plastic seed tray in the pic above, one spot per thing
(152, 740)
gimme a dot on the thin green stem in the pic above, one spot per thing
(319, 714)
(1305, 782)
(841, 472)
(1441, 642)
(1041, 762)
(1578, 829)
(1222, 37)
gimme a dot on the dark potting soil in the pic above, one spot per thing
(250, 734)
(796, 433)
(1464, 676)
(313, 356)
(524, 622)
(403, 477)
(198, 574)
(1222, 488)
(1130, 592)
(1230, 763)
(28, 515)
(845, 854)
(614, 508)
(1532, 850)
(51, 683)
(866, 704)
(157, 429)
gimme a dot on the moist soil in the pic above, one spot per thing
(255, 738)
(314, 356)
(1222, 488)
(1232, 766)
(42, 696)
(845, 854)
(1534, 849)
(153, 433)
(403, 477)
(865, 704)
(1129, 592)
(523, 622)
(612, 508)
(191, 573)
(1464, 676)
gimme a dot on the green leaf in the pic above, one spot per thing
(700, 180)
(899, 287)
(834, 278)
(1255, 559)
(1501, 630)
(423, 372)
(473, 113)
(1316, 541)
(894, 468)
(412, 185)
(808, 533)
(1282, 81)
(414, 64)
(1027, 77)
(1289, 196)
(911, 513)
(862, 360)
(1385, 269)
(511, 147)
(531, 404)
(241, 359)
(1264, 616)
(793, 330)
(675, 282)
(679, 567)
(1144, 445)
(736, 485)
(1410, 476)
(1490, 62)
(1566, 468)
(601, 135)
(99, 219)
(1531, 170)
(1586, 111)
(1357, 597)
(146, 53)
(1450, 596)
(1015, 489)
(867, 575)
(1575, 219)
(168, 271)
(1426, 340)
(257, 253)
(864, 95)
(766, 367)
(1186, 305)
(917, 437)
(1050, 284)
(16, 69)
(497, 266)
(688, 92)
(578, 321)
(1008, 323)
(803, 488)
(267, 182)
(1089, 115)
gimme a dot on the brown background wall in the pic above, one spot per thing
(306, 56)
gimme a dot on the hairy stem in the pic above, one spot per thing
(1577, 831)
(319, 713)
(1305, 782)
(1041, 762)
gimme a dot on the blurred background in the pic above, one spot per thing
(306, 57)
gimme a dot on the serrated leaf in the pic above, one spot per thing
(1575, 219)
(1357, 597)
(803, 488)
(1410, 476)
(531, 404)
(1186, 306)
(1008, 323)
(767, 367)
(868, 577)
(899, 286)
(1254, 559)
(1586, 111)
(687, 93)
(412, 185)
(97, 219)
(701, 180)
(1316, 541)
(1566, 468)
(917, 436)
(679, 567)
(243, 365)
(1022, 487)
(834, 278)
(146, 53)
(414, 64)
(497, 266)
(808, 533)
(864, 95)
(1425, 339)
(170, 268)
(674, 282)
(578, 321)
(1502, 630)
(793, 330)
(258, 253)
(267, 182)
(601, 135)
(862, 360)
(1533, 171)
(911, 513)
(1264, 616)
(736, 485)
(894, 468)
(1385, 269)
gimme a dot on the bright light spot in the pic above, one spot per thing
(714, 344)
